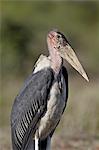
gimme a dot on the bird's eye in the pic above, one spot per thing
(58, 47)
(58, 36)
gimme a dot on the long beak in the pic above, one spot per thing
(68, 54)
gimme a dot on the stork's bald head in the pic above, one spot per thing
(57, 41)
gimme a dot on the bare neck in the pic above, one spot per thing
(56, 61)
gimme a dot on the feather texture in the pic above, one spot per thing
(30, 105)
(39, 105)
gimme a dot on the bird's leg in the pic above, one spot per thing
(48, 143)
(37, 140)
(36, 143)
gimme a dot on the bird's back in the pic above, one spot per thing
(36, 102)
(29, 106)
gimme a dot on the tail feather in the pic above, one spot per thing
(42, 144)
(45, 144)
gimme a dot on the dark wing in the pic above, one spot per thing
(65, 74)
(29, 107)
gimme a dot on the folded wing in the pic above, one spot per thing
(29, 106)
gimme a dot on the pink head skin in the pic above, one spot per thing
(56, 60)
(60, 49)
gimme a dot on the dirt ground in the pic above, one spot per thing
(76, 143)
(59, 142)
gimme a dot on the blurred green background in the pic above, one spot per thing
(23, 30)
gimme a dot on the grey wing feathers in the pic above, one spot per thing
(29, 106)
(65, 74)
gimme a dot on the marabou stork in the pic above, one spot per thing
(38, 107)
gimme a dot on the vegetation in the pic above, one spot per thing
(23, 30)
(25, 25)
